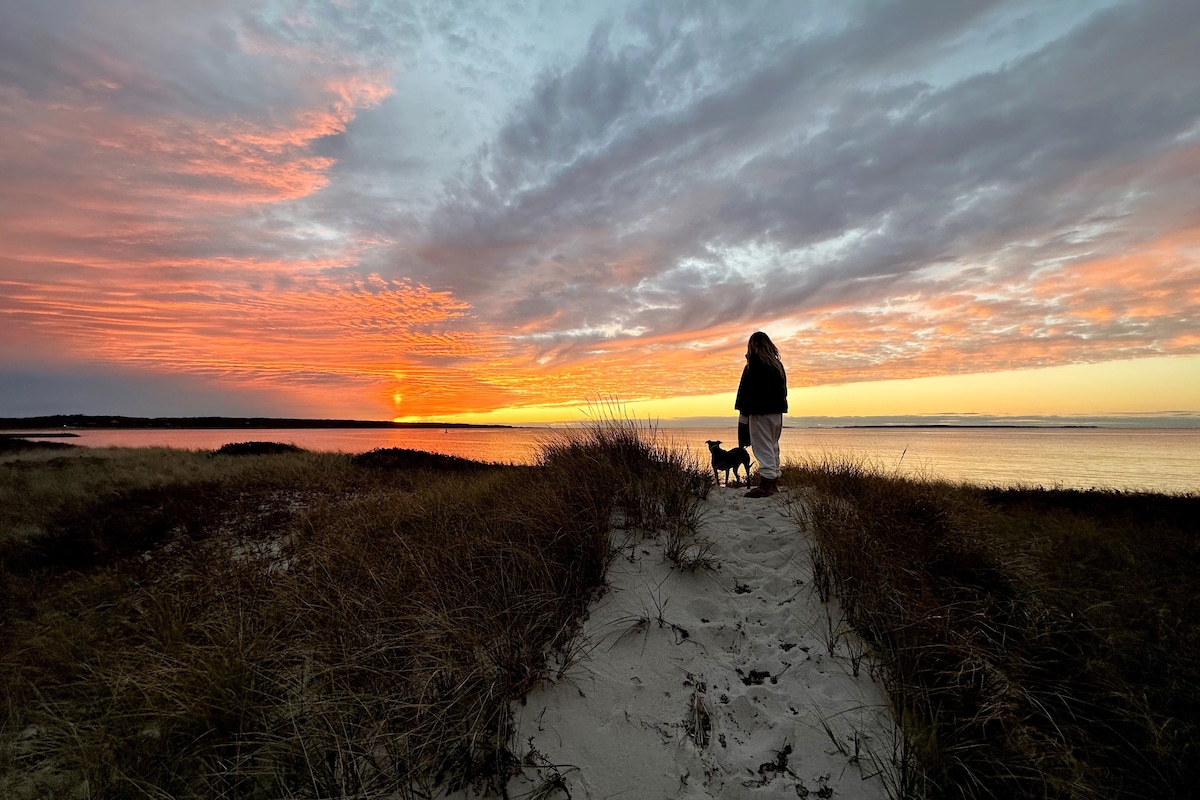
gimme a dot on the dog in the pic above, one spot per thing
(728, 460)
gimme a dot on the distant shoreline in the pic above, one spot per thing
(83, 421)
(24, 435)
(959, 427)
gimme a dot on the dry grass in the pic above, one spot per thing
(660, 485)
(298, 625)
(1034, 644)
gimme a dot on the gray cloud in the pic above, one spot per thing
(651, 152)
(90, 389)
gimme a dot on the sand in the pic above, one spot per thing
(730, 683)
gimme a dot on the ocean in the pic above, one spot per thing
(1159, 459)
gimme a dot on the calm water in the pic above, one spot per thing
(1154, 459)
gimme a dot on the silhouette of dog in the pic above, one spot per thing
(728, 460)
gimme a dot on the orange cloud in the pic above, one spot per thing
(1137, 305)
(117, 256)
(315, 331)
(84, 160)
(311, 331)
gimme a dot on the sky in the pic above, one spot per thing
(507, 211)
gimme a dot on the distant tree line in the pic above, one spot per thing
(97, 421)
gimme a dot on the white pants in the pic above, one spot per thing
(764, 441)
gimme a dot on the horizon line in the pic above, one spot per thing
(1149, 419)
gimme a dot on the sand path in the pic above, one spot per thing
(719, 683)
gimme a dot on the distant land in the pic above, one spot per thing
(966, 425)
(86, 421)
(798, 419)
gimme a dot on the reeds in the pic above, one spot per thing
(1033, 644)
(659, 485)
(298, 625)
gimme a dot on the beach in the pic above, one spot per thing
(728, 682)
(403, 624)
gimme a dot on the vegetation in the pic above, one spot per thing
(14, 444)
(263, 622)
(293, 624)
(1034, 643)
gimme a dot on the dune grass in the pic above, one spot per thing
(298, 625)
(318, 625)
(1034, 643)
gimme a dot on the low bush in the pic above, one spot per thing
(256, 449)
(401, 459)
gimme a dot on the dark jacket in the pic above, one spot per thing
(762, 389)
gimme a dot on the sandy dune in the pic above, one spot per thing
(709, 684)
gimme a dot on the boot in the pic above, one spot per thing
(766, 487)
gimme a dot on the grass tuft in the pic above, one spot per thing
(656, 486)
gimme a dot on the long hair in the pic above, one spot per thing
(761, 345)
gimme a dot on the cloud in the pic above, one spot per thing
(305, 334)
(74, 388)
(438, 208)
(622, 193)
(139, 135)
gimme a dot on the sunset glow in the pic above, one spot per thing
(342, 209)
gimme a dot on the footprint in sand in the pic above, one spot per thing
(703, 611)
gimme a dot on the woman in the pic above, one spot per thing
(762, 400)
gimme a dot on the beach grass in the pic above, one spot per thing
(1034, 643)
(268, 623)
(296, 624)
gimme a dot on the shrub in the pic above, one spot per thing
(255, 449)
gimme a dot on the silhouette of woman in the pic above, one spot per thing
(762, 400)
